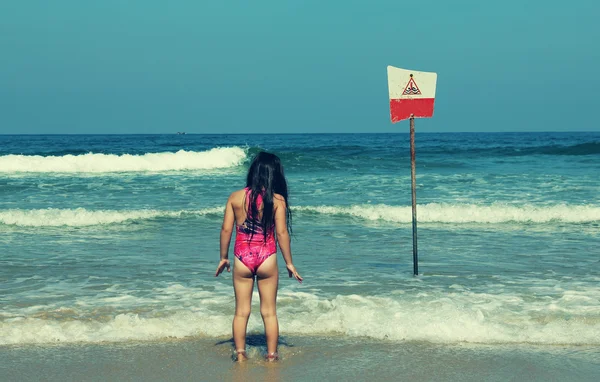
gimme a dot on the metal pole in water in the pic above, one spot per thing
(414, 195)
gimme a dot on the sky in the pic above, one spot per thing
(276, 66)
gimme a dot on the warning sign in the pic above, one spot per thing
(411, 87)
(407, 99)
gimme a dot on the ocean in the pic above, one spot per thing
(109, 244)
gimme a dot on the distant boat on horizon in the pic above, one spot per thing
(180, 132)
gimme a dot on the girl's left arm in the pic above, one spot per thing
(226, 231)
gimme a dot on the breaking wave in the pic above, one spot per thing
(428, 213)
(216, 158)
(440, 317)
(464, 213)
(80, 217)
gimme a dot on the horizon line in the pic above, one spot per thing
(315, 133)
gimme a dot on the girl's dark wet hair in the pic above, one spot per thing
(266, 177)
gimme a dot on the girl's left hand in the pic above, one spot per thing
(222, 265)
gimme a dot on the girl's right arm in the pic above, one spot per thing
(226, 230)
(283, 236)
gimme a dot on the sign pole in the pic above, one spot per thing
(409, 100)
(414, 195)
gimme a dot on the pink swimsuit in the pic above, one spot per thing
(252, 250)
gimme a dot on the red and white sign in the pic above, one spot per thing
(412, 93)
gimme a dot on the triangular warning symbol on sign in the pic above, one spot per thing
(411, 87)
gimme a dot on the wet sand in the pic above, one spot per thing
(302, 359)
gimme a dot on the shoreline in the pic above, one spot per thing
(302, 359)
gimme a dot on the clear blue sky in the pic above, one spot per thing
(271, 66)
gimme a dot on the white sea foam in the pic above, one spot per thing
(465, 213)
(429, 213)
(221, 157)
(81, 217)
(448, 317)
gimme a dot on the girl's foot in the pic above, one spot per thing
(270, 357)
(241, 355)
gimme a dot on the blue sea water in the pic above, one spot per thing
(115, 238)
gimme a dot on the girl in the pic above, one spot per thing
(259, 211)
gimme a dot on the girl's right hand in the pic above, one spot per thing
(224, 263)
(293, 272)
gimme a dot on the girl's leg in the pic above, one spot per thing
(267, 277)
(243, 284)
